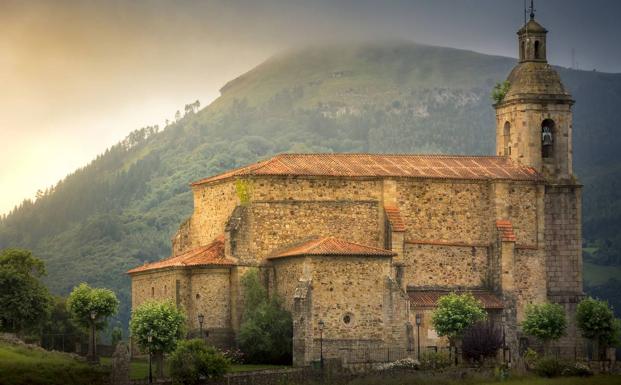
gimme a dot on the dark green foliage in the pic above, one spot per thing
(455, 313)
(546, 321)
(481, 340)
(59, 332)
(266, 332)
(597, 322)
(549, 367)
(193, 360)
(610, 290)
(24, 301)
(121, 209)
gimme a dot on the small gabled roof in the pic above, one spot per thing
(332, 246)
(210, 255)
(385, 166)
(505, 228)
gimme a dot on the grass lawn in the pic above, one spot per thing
(21, 365)
(597, 274)
(139, 368)
(403, 380)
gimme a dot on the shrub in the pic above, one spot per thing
(500, 91)
(481, 340)
(577, 369)
(234, 355)
(402, 364)
(193, 360)
(530, 358)
(434, 360)
(549, 367)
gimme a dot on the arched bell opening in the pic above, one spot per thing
(547, 138)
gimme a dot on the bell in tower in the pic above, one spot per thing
(534, 118)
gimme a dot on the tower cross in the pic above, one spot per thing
(532, 9)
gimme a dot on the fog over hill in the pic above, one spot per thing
(397, 97)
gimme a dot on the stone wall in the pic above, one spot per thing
(522, 212)
(455, 211)
(171, 284)
(210, 296)
(213, 205)
(275, 225)
(529, 278)
(315, 189)
(563, 240)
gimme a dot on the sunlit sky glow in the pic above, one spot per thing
(77, 76)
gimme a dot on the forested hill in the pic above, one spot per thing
(122, 208)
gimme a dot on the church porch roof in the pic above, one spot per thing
(429, 298)
(210, 255)
(332, 246)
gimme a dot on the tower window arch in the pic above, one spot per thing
(547, 138)
(523, 50)
(537, 50)
(506, 138)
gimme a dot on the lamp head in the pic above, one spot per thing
(321, 324)
(419, 319)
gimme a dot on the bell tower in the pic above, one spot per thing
(534, 118)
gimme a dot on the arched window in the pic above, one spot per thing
(537, 49)
(547, 138)
(523, 50)
(506, 137)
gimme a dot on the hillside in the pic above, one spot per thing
(122, 208)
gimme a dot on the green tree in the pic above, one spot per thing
(193, 360)
(59, 330)
(163, 322)
(90, 307)
(24, 300)
(454, 314)
(546, 322)
(597, 322)
(500, 91)
(266, 332)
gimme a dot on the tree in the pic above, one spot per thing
(90, 307)
(24, 300)
(177, 116)
(500, 91)
(266, 332)
(456, 312)
(59, 331)
(163, 322)
(597, 322)
(546, 322)
(193, 359)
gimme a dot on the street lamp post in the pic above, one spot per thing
(419, 320)
(93, 352)
(201, 319)
(150, 339)
(321, 326)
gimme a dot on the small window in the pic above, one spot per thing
(198, 296)
(165, 289)
(523, 50)
(152, 292)
(348, 319)
(547, 138)
(537, 50)
(507, 139)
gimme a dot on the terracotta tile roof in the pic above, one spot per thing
(212, 254)
(505, 228)
(394, 217)
(429, 298)
(383, 165)
(332, 246)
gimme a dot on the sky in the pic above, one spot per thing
(77, 76)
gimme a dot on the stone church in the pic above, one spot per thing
(367, 243)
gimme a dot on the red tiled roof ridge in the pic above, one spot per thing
(383, 165)
(211, 254)
(330, 246)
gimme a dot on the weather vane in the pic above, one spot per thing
(532, 9)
